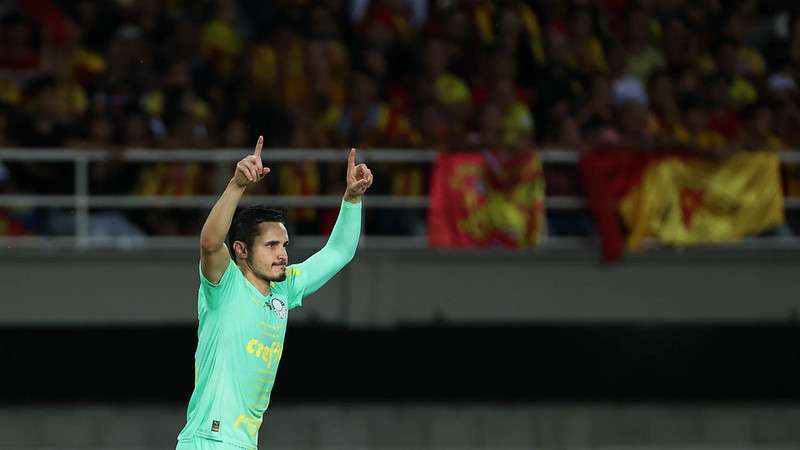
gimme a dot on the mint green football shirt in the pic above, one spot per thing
(241, 333)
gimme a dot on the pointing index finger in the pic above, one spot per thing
(259, 144)
(351, 162)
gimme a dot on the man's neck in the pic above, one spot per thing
(261, 285)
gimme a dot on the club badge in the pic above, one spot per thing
(278, 307)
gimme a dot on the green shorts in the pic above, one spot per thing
(205, 444)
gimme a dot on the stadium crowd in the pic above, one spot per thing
(709, 76)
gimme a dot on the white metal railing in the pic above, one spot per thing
(82, 201)
(361, 446)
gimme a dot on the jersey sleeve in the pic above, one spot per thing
(305, 278)
(215, 292)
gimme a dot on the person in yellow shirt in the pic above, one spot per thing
(642, 57)
(589, 55)
(517, 121)
(743, 92)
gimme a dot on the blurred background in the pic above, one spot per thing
(583, 232)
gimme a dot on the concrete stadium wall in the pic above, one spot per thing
(382, 288)
(431, 427)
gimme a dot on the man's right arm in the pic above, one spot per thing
(214, 256)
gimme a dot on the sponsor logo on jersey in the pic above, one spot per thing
(269, 354)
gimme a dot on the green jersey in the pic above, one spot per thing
(240, 338)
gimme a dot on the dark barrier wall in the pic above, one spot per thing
(386, 288)
(421, 326)
(537, 362)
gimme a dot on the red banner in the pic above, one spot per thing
(607, 176)
(481, 199)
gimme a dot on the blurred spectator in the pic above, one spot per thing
(663, 101)
(758, 131)
(587, 47)
(192, 69)
(693, 132)
(416, 10)
(722, 115)
(627, 85)
(436, 130)
(517, 121)
(19, 48)
(439, 84)
(705, 75)
(642, 56)
(743, 91)
(596, 117)
(557, 87)
(632, 130)
(39, 122)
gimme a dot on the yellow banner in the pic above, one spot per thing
(691, 201)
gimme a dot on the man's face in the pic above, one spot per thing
(267, 257)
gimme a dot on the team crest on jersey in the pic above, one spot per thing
(278, 307)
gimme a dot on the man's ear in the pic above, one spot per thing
(239, 249)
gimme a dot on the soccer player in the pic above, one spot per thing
(246, 291)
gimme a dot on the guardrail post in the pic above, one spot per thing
(222, 174)
(81, 201)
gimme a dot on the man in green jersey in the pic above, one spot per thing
(246, 292)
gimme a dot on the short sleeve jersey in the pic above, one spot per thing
(240, 342)
(241, 333)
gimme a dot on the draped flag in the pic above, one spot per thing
(681, 200)
(482, 199)
(607, 176)
(692, 201)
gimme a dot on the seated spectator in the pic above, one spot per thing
(626, 86)
(693, 132)
(445, 87)
(758, 133)
(662, 98)
(19, 49)
(642, 56)
(518, 127)
(742, 90)
(596, 115)
(491, 132)
(586, 46)
(722, 116)
(385, 73)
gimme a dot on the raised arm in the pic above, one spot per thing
(312, 273)
(214, 256)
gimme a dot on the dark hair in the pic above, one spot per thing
(245, 225)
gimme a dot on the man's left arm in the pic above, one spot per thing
(310, 275)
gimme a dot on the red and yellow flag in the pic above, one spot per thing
(608, 175)
(680, 199)
(486, 198)
(688, 201)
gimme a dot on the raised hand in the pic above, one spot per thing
(250, 170)
(359, 178)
